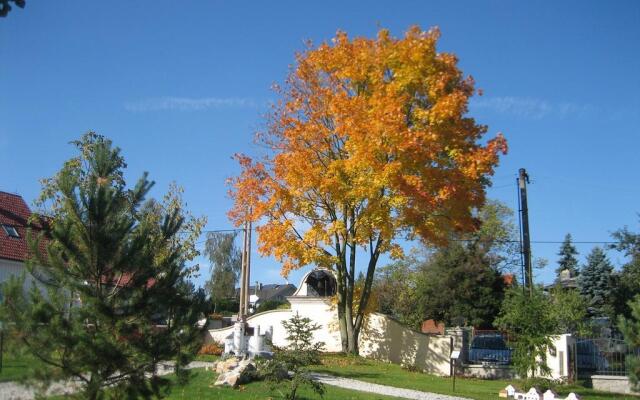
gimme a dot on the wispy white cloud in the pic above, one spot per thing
(188, 103)
(531, 108)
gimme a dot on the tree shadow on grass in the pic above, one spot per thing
(351, 374)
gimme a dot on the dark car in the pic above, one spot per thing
(490, 349)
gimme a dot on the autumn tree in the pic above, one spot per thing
(463, 280)
(369, 143)
(5, 6)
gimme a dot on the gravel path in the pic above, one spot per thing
(16, 391)
(381, 389)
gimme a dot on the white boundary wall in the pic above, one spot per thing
(387, 340)
(382, 338)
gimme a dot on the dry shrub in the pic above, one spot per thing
(214, 349)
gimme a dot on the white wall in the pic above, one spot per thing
(265, 320)
(318, 310)
(382, 338)
(387, 340)
(10, 268)
(558, 356)
(323, 313)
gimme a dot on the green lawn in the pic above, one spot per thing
(201, 384)
(394, 375)
(201, 387)
(206, 357)
(16, 367)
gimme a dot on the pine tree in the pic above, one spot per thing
(627, 281)
(116, 301)
(567, 259)
(630, 327)
(595, 283)
(295, 358)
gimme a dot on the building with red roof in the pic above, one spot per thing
(14, 248)
(15, 218)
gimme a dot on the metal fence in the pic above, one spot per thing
(602, 356)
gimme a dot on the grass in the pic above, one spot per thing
(201, 387)
(206, 357)
(394, 375)
(16, 367)
(201, 384)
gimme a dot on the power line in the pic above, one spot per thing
(497, 241)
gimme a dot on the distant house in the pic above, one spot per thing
(14, 248)
(565, 280)
(431, 326)
(261, 293)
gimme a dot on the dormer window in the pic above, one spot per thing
(10, 231)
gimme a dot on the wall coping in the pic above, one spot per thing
(397, 322)
(309, 299)
(610, 377)
(287, 310)
(489, 366)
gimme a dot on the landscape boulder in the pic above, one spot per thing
(234, 372)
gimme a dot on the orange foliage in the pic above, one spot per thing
(214, 349)
(370, 140)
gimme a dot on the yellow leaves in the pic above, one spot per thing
(396, 252)
(370, 136)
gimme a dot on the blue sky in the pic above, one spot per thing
(181, 86)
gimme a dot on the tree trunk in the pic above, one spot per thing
(351, 323)
(93, 388)
(342, 321)
(354, 347)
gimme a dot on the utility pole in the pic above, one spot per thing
(248, 268)
(523, 179)
(243, 274)
(240, 341)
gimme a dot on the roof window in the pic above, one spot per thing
(11, 231)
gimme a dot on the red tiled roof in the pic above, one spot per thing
(431, 326)
(15, 212)
(509, 279)
(124, 280)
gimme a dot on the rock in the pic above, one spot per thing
(235, 373)
(226, 365)
(228, 379)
